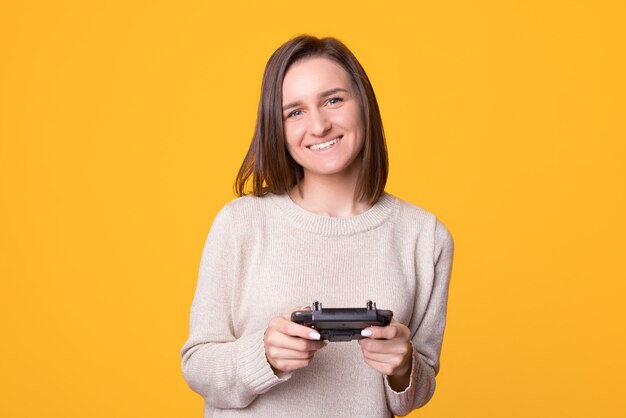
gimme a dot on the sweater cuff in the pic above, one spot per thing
(400, 403)
(254, 369)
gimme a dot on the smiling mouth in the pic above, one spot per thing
(324, 145)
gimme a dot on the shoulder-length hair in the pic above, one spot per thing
(268, 166)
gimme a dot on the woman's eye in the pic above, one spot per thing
(335, 100)
(294, 113)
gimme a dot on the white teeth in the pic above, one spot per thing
(324, 145)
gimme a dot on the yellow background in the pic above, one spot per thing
(123, 124)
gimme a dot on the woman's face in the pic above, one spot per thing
(322, 117)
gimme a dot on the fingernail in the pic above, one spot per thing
(314, 335)
(366, 332)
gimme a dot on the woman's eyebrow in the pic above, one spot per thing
(323, 94)
(333, 91)
(290, 105)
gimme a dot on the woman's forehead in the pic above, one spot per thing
(312, 76)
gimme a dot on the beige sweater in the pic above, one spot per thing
(265, 256)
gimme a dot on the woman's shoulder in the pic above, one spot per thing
(241, 215)
(412, 209)
(247, 208)
(413, 212)
(415, 216)
(246, 205)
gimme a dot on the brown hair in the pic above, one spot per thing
(268, 165)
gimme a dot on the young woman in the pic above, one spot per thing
(317, 225)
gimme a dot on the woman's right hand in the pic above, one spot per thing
(290, 346)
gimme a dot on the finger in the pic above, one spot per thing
(286, 326)
(394, 330)
(278, 353)
(386, 333)
(280, 340)
(394, 360)
(310, 334)
(290, 365)
(384, 346)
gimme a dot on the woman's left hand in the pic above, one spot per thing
(388, 350)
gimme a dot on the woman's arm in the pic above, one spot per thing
(228, 372)
(427, 333)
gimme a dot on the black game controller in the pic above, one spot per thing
(342, 324)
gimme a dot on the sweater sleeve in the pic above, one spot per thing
(427, 338)
(228, 372)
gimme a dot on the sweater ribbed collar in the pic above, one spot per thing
(329, 225)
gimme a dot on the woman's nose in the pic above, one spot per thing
(319, 123)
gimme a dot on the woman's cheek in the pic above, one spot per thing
(294, 134)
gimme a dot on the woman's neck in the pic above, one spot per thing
(328, 196)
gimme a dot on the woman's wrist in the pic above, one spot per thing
(400, 380)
